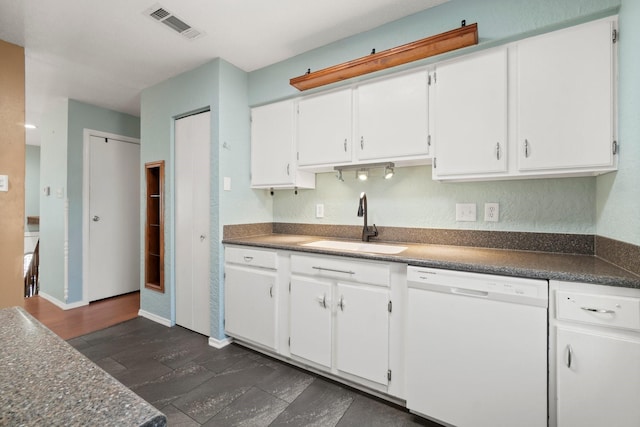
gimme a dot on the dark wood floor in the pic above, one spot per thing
(84, 320)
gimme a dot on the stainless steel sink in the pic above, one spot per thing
(377, 248)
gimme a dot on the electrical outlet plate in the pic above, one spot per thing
(4, 182)
(319, 210)
(491, 212)
(466, 212)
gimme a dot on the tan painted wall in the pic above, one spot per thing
(12, 152)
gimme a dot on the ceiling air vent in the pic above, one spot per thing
(160, 14)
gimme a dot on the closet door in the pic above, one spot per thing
(192, 187)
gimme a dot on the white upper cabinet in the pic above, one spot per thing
(392, 118)
(470, 115)
(565, 100)
(273, 156)
(324, 129)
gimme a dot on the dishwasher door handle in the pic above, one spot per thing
(470, 293)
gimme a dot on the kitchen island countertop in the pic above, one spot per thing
(45, 381)
(540, 265)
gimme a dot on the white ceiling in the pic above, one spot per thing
(106, 52)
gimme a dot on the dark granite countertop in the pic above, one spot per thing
(541, 265)
(45, 381)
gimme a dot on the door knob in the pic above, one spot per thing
(202, 237)
(96, 218)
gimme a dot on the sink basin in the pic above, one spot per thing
(356, 246)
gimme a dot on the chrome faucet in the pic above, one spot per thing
(367, 232)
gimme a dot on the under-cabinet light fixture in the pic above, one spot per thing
(362, 170)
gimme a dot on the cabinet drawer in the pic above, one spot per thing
(345, 269)
(603, 310)
(251, 257)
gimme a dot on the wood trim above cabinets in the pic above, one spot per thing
(467, 35)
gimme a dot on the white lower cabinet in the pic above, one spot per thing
(251, 296)
(595, 344)
(362, 331)
(339, 320)
(310, 327)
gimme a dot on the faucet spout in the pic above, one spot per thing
(367, 232)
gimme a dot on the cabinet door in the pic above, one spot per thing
(362, 341)
(470, 116)
(272, 149)
(565, 99)
(310, 318)
(601, 387)
(324, 129)
(250, 304)
(393, 118)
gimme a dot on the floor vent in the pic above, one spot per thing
(160, 14)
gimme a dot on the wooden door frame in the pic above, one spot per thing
(86, 178)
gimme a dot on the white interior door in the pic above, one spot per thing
(114, 222)
(192, 185)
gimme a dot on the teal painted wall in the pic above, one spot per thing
(85, 116)
(568, 205)
(222, 88)
(32, 185)
(618, 194)
(53, 174)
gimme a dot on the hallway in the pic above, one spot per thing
(79, 321)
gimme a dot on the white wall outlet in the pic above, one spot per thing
(319, 210)
(227, 183)
(465, 211)
(4, 182)
(491, 212)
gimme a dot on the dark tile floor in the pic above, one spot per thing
(195, 384)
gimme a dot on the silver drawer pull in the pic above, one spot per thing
(569, 355)
(598, 310)
(332, 270)
(248, 258)
(341, 303)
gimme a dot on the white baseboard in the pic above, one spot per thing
(155, 318)
(61, 304)
(216, 343)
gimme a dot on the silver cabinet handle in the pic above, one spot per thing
(526, 148)
(322, 301)
(248, 258)
(345, 145)
(95, 218)
(287, 168)
(569, 355)
(598, 310)
(341, 303)
(271, 291)
(332, 270)
(202, 237)
(362, 142)
(497, 151)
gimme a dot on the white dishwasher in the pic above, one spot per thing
(476, 348)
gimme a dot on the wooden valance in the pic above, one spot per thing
(467, 35)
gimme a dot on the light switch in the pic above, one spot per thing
(227, 183)
(60, 193)
(319, 210)
(465, 212)
(4, 182)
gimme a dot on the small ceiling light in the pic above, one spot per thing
(388, 172)
(362, 174)
(30, 126)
